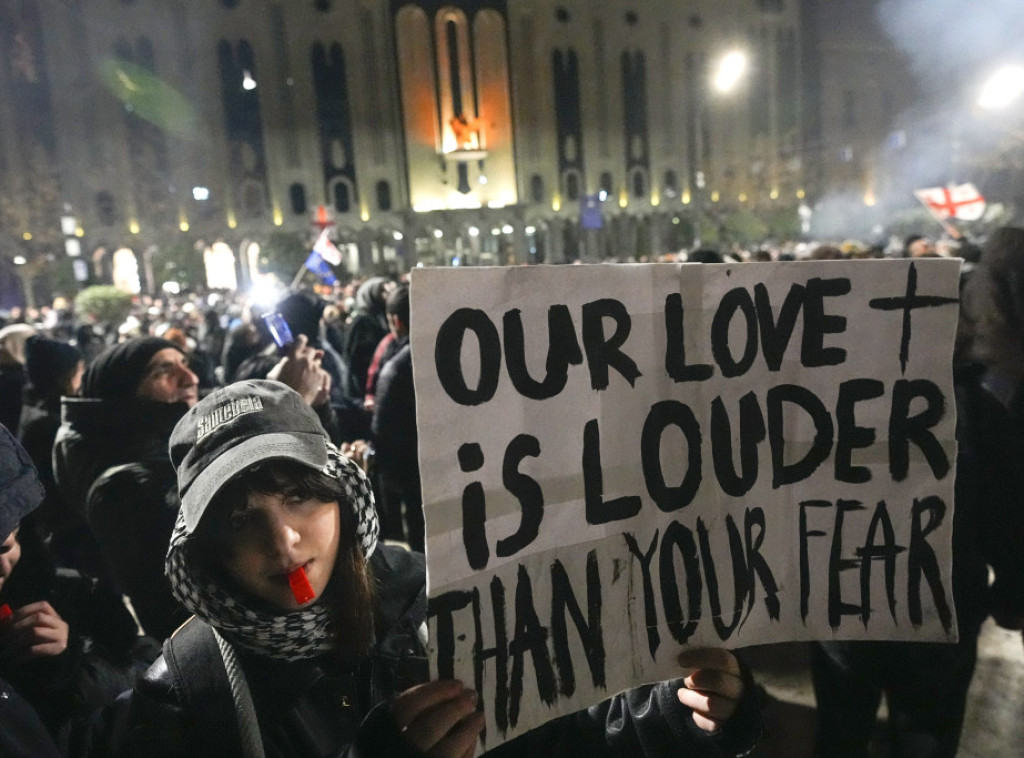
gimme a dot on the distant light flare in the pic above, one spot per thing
(1002, 88)
(731, 69)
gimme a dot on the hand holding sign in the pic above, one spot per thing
(713, 689)
(439, 719)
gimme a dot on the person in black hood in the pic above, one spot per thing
(54, 370)
(112, 466)
(368, 327)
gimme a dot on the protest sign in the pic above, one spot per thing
(620, 461)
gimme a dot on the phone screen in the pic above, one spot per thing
(279, 329)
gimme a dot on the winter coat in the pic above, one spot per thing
(394, 426)
(988, 526)
(12, 383)
(315, 708)
(111, 462)
(40, 420)
(104, 652)
(22, 733)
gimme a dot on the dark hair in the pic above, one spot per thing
(826, 253)
(350, 592)
(705, 255)
(398, 303)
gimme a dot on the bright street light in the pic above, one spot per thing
(730, 71)
(1002, 88)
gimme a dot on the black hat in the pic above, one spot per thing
(118, 371)
(49, 362)
(20, 489)
(303, 310)
(236, 426)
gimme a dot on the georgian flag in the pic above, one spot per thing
(960, 201)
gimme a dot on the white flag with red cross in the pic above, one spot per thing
(957, 201)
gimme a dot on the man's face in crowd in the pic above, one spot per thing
(274, 534)
(168, 379)
(10, 553)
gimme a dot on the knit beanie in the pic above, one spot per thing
(48, 363)
(118, 371)
(302, 311)
(20, 489)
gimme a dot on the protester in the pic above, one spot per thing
(70, 645)
(395, 470)
(397, 311)
(54, 370)
(21, 731)
(12, 372)
(318, 656)
(112, 466)
(994, 314)
(200, 363)
(365, 331)
(243, 341)
(994, 307)
(396, 442)
(303, 312)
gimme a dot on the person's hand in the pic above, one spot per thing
(33, 631)
(714, 687)
(301, 370)
(356, 451)
(439, 719)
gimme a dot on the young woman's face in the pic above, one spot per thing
(10, 554)
(275, 534)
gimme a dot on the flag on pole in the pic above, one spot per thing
(327, 249)
(956, 201)
(320, 259)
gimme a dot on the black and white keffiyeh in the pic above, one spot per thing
(291, 636)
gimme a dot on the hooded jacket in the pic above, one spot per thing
(368, 327)
(112, 466)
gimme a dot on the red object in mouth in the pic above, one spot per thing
(5, 612)
(301, 588)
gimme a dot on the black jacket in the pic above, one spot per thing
(40, 420)
(112, 464)
(104, 651)
(394, 425)
(314, 708)
(12, 383)
(22, 733)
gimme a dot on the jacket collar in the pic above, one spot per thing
(133, 416)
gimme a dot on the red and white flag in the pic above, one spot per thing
(959, 201)
(327, 249)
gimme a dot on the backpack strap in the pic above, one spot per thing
(197, 670)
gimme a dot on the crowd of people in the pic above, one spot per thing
(169, 484)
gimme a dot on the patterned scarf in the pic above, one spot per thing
(293, 635)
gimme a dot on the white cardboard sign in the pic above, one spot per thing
(619, 461)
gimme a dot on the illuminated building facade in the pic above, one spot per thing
(488, 131)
